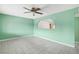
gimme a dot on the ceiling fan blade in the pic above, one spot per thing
(39, 13)
(27, 12)
(26, 8)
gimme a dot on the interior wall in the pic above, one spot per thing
(77, 29)
(77, 25)
(64, 32)
(12, 26)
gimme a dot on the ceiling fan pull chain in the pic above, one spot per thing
(33, 14)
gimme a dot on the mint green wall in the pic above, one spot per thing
(77, 29)
(64, 31)
(12, 26)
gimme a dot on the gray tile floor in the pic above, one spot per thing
(34, 45)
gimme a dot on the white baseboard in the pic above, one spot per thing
(56, 41)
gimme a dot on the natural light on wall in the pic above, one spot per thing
(46, 24)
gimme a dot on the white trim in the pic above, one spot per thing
(56, 41)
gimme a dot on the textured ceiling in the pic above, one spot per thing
(18, 10)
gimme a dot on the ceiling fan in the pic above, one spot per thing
(35, 10)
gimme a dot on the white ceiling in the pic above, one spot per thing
(18, 10)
